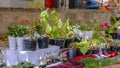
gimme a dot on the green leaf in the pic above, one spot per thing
(53, 11)
(84, 49)
(48, 28)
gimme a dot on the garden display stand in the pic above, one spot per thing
(13, 56)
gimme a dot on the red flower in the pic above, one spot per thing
(101, 25)
(106, 24)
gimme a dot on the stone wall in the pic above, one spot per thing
(10, 16)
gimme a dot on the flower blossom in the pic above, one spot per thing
(106, 24)
(101, 25)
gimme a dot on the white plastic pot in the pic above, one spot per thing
(20, 43)
(88, 34)
(12, 42)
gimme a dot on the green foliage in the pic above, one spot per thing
(84, 45)
(95, 34)
(27, 64)
(55, 27)
(21, 30)
(24, 64)
(17, 30)
(84, 27)
(114, 22)
(14, 66)
(95, 25)
(116, 42)
(44, 18)
(98, 40)
(39, 27)
(73, 45)
(113, 27)
(3, 66)
(98, 63)
(12, 31)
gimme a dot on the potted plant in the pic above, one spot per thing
(21, 31)
(59, 34)
(72, 50)
(114, 26)
(64, 35)
(69, 33)
(30, 40)
(87, 32)
(12, 36)
(118, 32)
(117, 44)
(114, 46)
(43, 41)
(84, 45)
(55, 28)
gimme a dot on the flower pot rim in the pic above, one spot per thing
(29, 40)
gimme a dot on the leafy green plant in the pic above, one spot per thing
(27, 64)
(83, 45)
(113, 27)
(29, 24)
(84, 27)
(98, 63)
(12, 30)
(68, 29)
(17, 30)
(24, 64)
(21, 30)
(39, 27)
(54, 26)
(73, 45)
(114, 22)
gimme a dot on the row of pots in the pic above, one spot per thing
(72, 53)
(43, 42)
(27, 44)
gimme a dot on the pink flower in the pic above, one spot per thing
(106, 24)
(101, 25)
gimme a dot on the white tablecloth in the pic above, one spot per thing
(13, 57)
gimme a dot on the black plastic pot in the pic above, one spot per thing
(96, 51)
(77, 40)
(114, 35)
(89, 52)
(71, 53)
(30, 45)
(119, 36)
(105, 50)
(51, 41)
(78, 52)
(43, 42)
(113, 48)
(60, 42)
(68, 41)
(118, 48)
